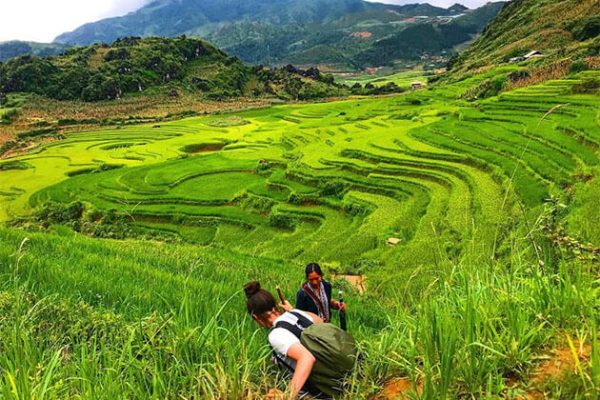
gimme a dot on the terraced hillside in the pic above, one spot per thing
(330, 181)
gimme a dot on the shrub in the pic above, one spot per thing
(283, 221)
(590, 28)
(9, 116)
(59, 213)
(9, 145)
(334, 188)
(488, 88)
(37, 133)
(589, 85)
(578, 66)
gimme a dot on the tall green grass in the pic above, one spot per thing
(168, 321)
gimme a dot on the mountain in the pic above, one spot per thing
(559, 29)
(425, 39)
(176, 17)
(16, 48)
(457, 9)
(278, 32)
(133, 66)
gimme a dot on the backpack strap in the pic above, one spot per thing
(295, 329)
(302, 320)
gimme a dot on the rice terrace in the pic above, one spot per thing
(460, 218)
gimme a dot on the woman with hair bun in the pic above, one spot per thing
(288, 351)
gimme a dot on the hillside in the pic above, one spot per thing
(17, 48)
(560, 29)
(279, 32)
(156, 176)
(140, 237)
(424, 40)
(176, 17)
(135, 67)
(321, 181)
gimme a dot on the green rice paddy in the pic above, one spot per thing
(402, 79)
(342, 176)
(462, 307)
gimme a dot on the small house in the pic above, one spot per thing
(393, 241)
(417, 85)
(533, 54)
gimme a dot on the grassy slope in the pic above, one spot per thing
(422, 167)
(553, 27)
(402, 79)
(105, 319)
(144, 67)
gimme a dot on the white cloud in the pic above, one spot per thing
(439, 3)
(43, 20)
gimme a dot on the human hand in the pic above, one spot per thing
(286, 305)
(342, 307)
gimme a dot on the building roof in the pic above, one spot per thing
(532, 53)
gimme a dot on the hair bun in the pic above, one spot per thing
(251, 288)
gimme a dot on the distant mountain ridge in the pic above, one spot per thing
(15, 48)
(277, 32)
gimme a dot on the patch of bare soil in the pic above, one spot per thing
(4, 136)
(560, 363)
(399, 389)
(357, 281)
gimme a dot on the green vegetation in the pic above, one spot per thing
(346, 34)
(134, 66)
(106, 319)
(329, 181)
(123, 250)
(401, 79)
(9, 108)
(567, 29)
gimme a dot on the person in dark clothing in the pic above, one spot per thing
(315, 294)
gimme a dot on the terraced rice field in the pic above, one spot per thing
(402, 79)
(329, 181)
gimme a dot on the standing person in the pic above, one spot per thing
(319, 356)
(315, 294)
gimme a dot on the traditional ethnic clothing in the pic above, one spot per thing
(317, 302)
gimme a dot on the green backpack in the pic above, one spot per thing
(334, 349)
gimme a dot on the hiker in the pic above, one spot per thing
(315, 294)
(317, 355)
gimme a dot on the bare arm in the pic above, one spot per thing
(304, 363)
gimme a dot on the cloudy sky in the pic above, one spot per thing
(43, 20)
